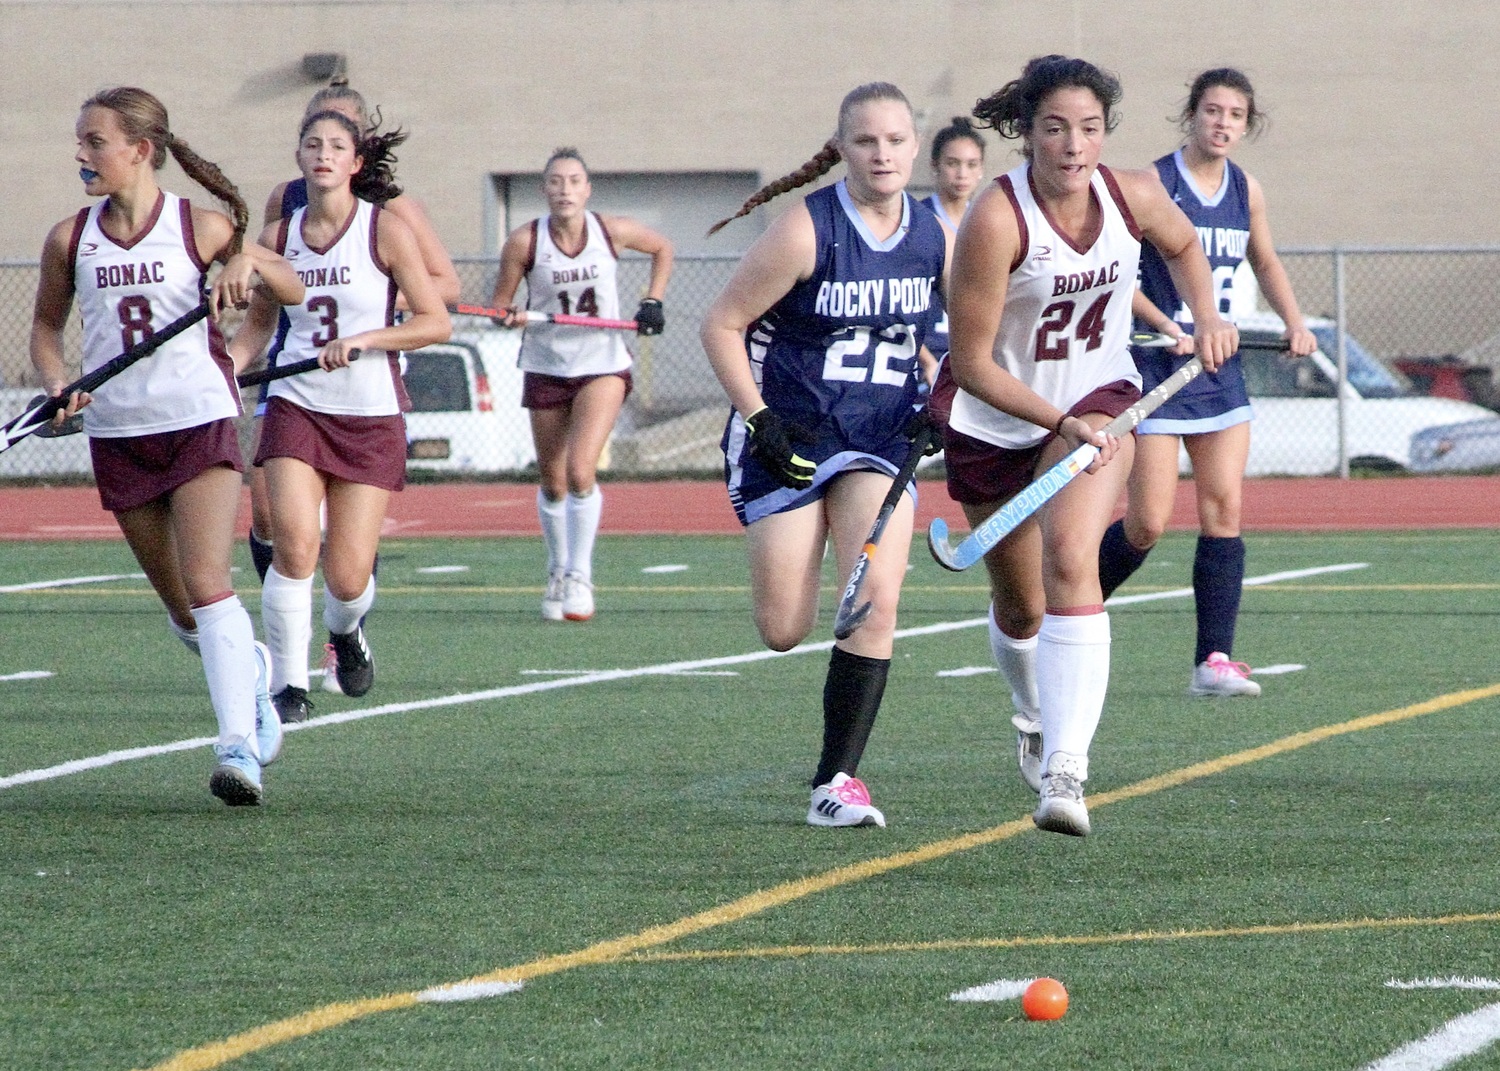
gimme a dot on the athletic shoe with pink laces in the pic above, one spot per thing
(331, 670)
(844, 801)
(1220, 676)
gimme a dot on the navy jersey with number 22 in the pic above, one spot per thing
(837, 354)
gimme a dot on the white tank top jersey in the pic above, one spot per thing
(1065, 329)
(349, 290)
(576, 286)
(127, 292)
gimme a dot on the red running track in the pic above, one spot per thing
(684, 507)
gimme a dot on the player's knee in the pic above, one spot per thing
(781, 631)
(1143, 532)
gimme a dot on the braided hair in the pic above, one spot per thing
(1012, 108)
(143, 117)
(826, 157)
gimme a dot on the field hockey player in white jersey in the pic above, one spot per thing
(337, 434)
(162, 433)
(576, 378)
(818, 342)
(285, 199)
(1210, 416)
(1040, 313)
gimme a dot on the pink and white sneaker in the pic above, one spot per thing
(844, 801)
(1220, 676)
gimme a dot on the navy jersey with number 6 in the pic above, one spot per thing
(1216, 400)
(837, 355)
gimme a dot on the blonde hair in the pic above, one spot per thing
(143, 117)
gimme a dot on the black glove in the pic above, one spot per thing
(772, 444)
(920, 420)
(649, 317)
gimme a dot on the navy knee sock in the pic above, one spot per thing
(851, 699)
(260, 554)
(1118, 558)
(1218, 577)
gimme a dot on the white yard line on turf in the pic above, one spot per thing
(27, 675)
(1000, 989)
(603, 676)
(42, 585)
(1448, 1044)
(449, 994)
(1444, 983)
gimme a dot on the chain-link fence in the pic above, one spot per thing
(1421, 341)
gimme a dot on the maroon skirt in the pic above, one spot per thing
(137, 469)
(981, 472)
(541, 391)
(357, 449)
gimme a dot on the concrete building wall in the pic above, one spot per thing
(1382, 111)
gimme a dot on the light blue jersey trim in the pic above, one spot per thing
(935, 203)
(1151, 426)
(858, 222)
(1206, 202)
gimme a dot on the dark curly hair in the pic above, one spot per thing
(376, 179)
(1012, 109)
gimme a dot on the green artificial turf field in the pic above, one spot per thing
(611, 813)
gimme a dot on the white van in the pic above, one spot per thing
(466, 413)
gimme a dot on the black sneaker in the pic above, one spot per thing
(355, 670)
(292, 704)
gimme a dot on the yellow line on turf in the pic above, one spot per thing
(1056, 940)
(219, 1053)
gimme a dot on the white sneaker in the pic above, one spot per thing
(1220, 676)
(1029, 749)
(844, 801)
(1062, 809)
(552, 598)
(331, 670)
(267, 721)
(577, 598)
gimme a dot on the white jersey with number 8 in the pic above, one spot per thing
(127, 292)
(1065, 329)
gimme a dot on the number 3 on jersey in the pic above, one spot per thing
(1052, 341)
(892, 363)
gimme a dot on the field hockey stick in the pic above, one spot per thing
(32, 420)
(1155, 339)
(849, 618)
(1036, 494)
(282, 371)
(528, 316)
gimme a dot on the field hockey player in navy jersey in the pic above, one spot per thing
(818, 341)
(1210, 416)
(1043, 275)
(162, 433)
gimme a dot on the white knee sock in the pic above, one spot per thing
(1017, 662)
(226, 640)
(341, 617)
(188, 636)
(1072, 669)
(583, 525)
(286, 616)
(553, 516)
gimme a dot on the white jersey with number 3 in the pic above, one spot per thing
(575, 286)
(1065, 329)
(127, 292)
(349, 290)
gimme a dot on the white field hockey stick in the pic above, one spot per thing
(1036, 494)
(32, 420)
(531, 316)
(849, 616)
(282, 371)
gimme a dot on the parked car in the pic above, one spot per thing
(1296, 410)
(466, 413)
